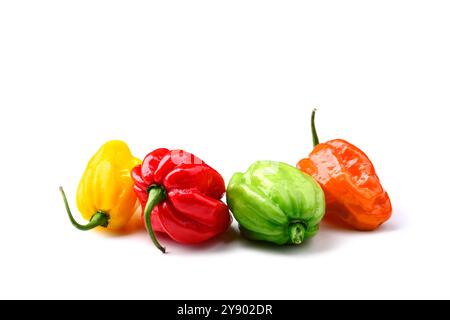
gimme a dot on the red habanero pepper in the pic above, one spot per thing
(180, 196)
(353, 191)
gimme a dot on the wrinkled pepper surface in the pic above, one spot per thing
(180, 196)
(275, 202)
(353, 191)
(105, 195)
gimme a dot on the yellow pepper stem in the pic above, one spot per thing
(156, 194)
(99, 219)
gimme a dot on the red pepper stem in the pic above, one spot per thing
(155, 196)
(297, 232)
(99, 219)
(313, 128)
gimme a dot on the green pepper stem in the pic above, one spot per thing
(155, 195)
(99, 219)
(313, 128)
(297, 232)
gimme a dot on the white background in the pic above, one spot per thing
(233, 82)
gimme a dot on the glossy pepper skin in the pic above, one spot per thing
(105, 195)
(180, 196)
(352, 188)
(275, 202)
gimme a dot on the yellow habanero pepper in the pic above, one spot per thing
(105, 195)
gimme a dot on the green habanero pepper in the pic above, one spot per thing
(276, 202)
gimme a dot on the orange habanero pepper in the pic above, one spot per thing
(353, 192)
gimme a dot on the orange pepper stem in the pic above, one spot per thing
(99, 219)
(313, 128)
(156, 194)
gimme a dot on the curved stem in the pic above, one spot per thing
(155, 196)
(99, 219)
(297, 232)
(313, 128)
